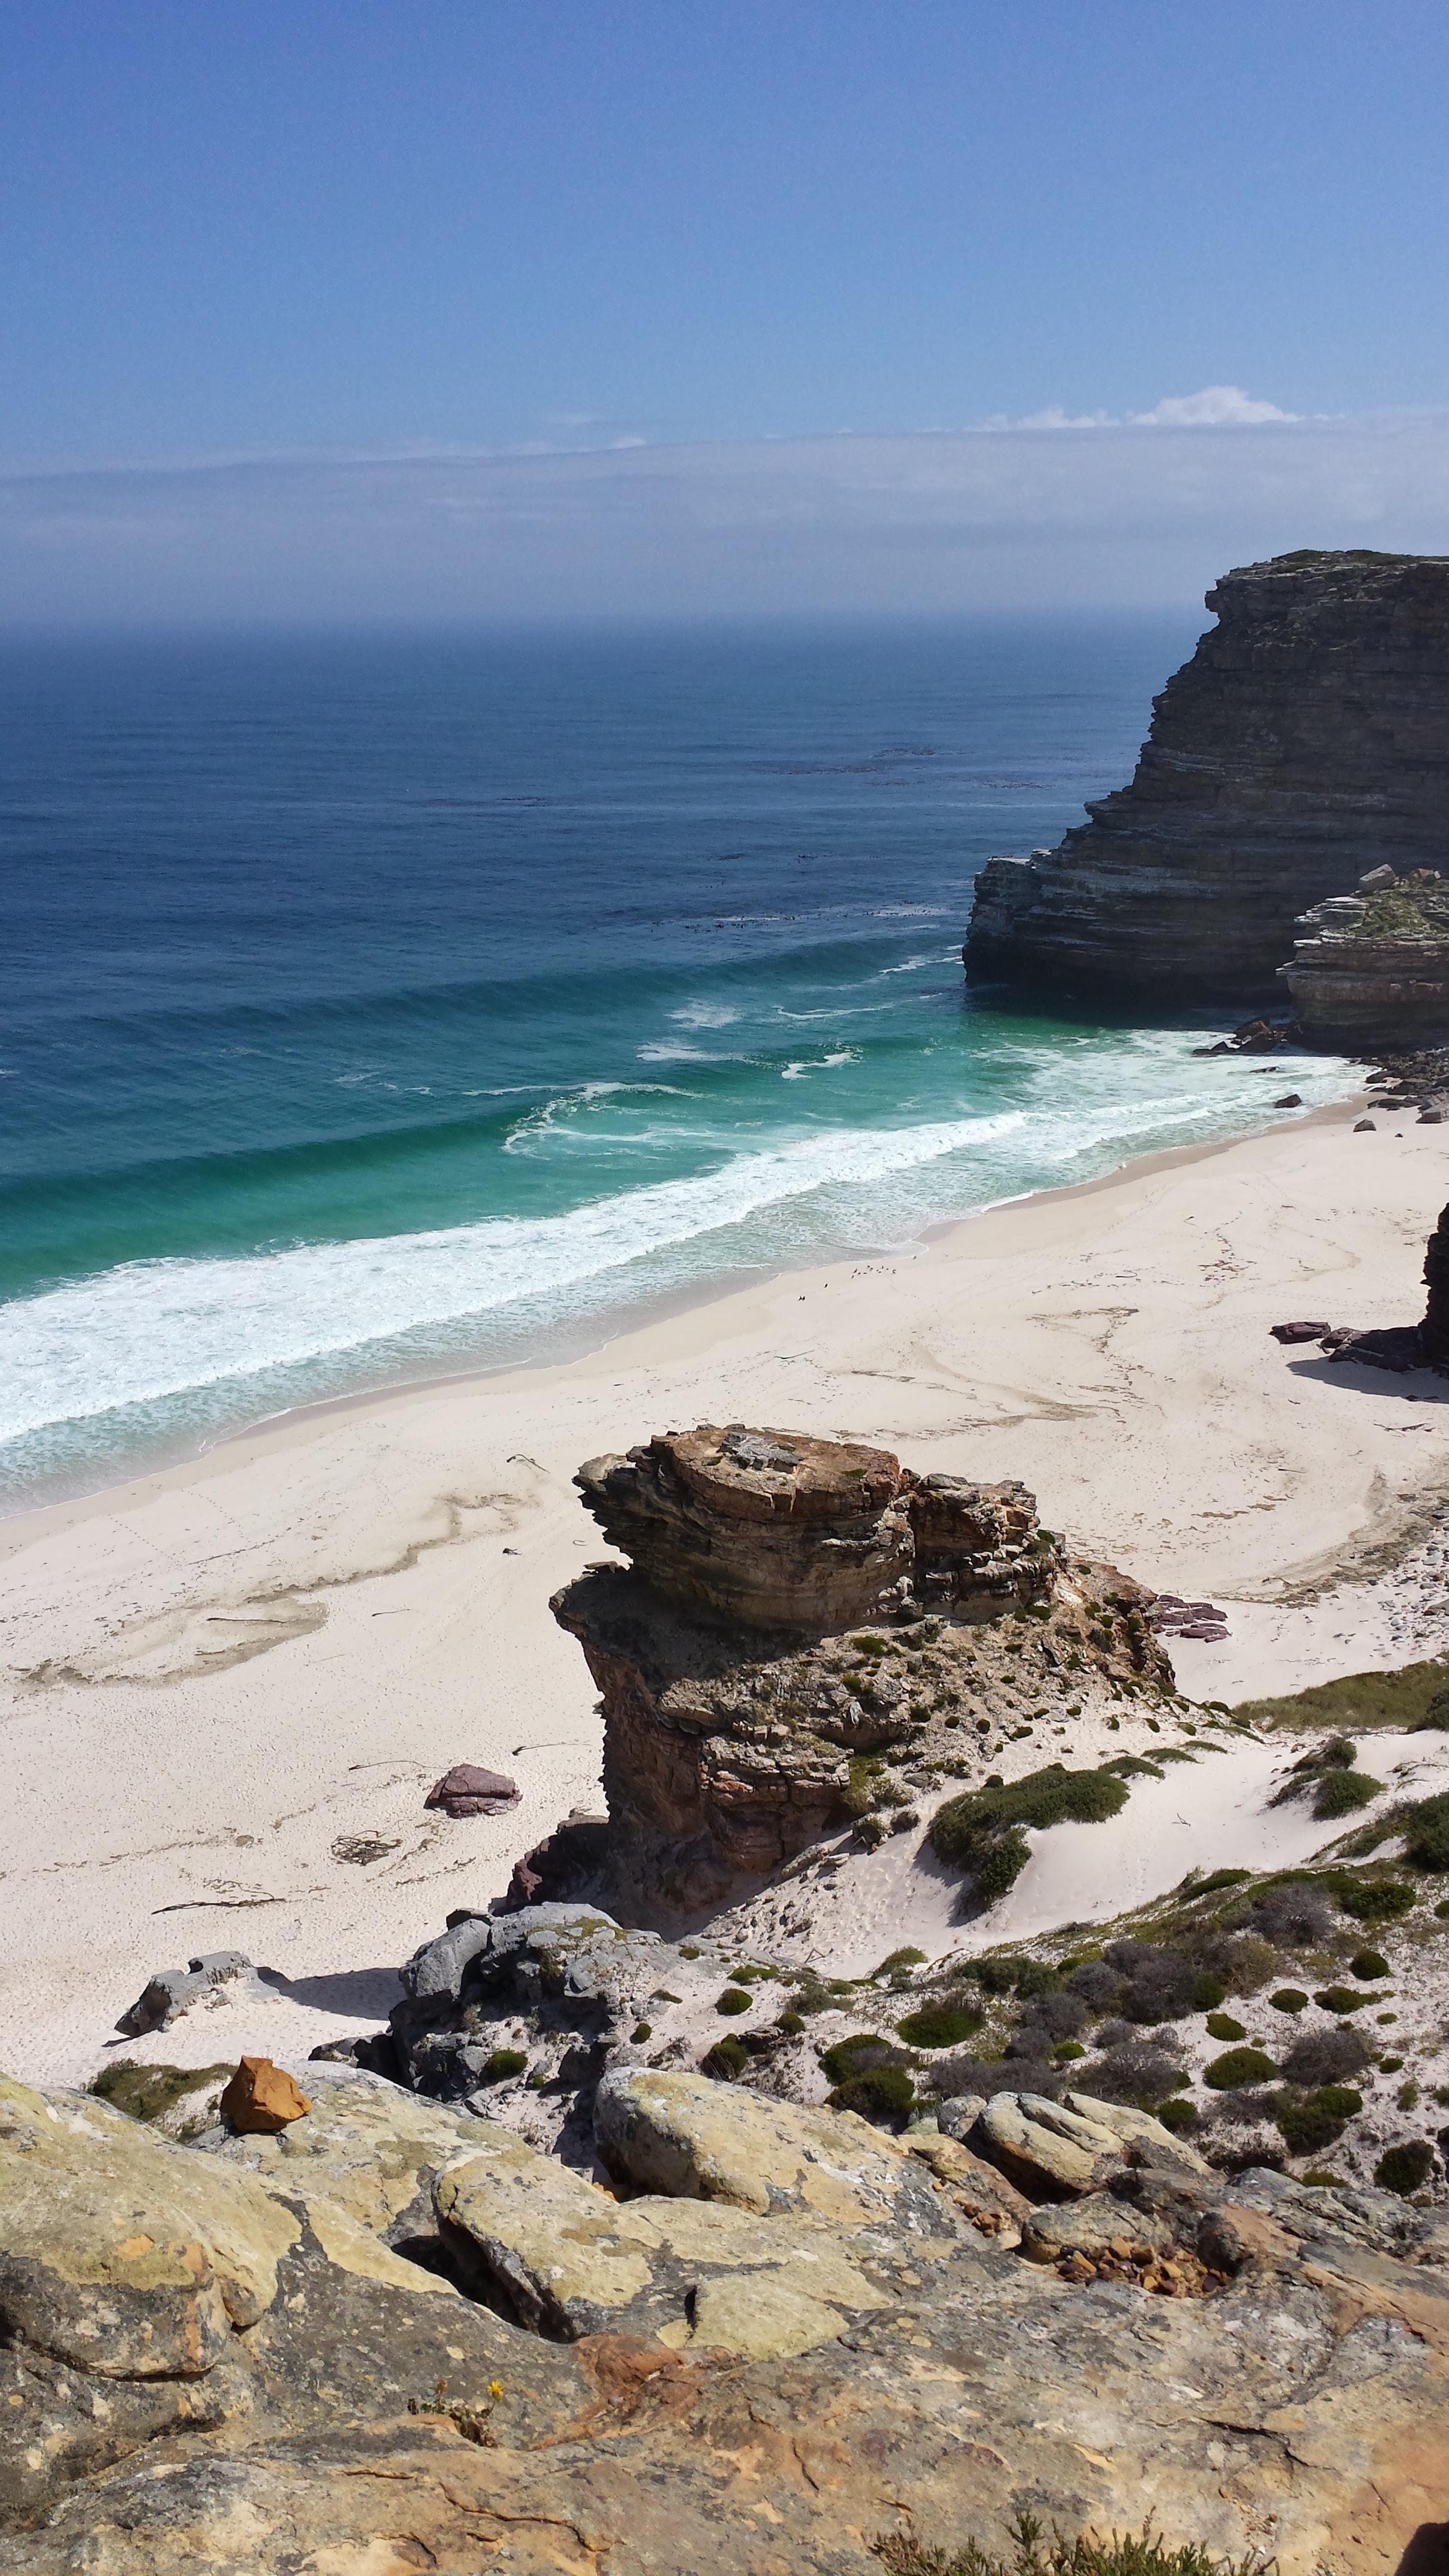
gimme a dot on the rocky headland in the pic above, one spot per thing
(1304, 745)
(1371, 968)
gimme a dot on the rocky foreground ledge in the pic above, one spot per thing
(1303, 745)
(391, 2336)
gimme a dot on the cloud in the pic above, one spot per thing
(1141, 512)
(1216, 407)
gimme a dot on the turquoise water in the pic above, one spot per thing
(383, 1007)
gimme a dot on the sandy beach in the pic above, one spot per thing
(222, 1677)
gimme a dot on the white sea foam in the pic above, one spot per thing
(705, 1015)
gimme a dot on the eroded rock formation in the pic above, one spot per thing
(1372, 968)
(737, 1687)
(1306, 742)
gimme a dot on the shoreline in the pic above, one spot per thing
(224, 1677)
(595, 1335)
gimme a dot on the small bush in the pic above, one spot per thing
(1057, 2015)
(1208, 1991)
(1426, 1840)
(1406, 2168)
(851, 2056)
(1340, 1792)
(1178, 2114)
(1097, 1984)
(984, 1832)
(1222, 2026)
(1238, 2066)
(1341, 1999)
(1369, 1965)
(735, 1999)
(1381, 1900)
(1124, 2554)
(504, 2063)
(1291, 1913)
(884, 2094)
(1217, 1879)
(1136, 2072)
(895, 1960)
(791, 2023)
(942, 2025)
(1066, 2049)
(728, 2058)
(1325, 2057)
(1318, 2119)
(642, 2030)
(1289, 1999)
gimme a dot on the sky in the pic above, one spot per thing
(470, 308)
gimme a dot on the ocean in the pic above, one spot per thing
(380, 1007)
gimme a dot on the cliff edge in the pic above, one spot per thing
(1305, 743)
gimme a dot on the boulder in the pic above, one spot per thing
(173, 1991)
(689, 2137)
(565, 2259)
(367, 2147)
(468, 1791)
(262, 2098)
(1062, 2150)
(120, 2252)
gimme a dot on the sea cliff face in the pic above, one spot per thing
(1372, 968)
(1306, 742)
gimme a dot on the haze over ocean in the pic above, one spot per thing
(382, 1007)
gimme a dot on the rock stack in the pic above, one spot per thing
(1434, 1330)
(1305, 743)
(1371, 969)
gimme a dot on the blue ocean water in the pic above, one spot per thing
(383, 1006)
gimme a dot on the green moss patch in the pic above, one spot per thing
(144, 2092)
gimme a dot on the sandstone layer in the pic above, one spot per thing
(1371, 969)
(1306, 742)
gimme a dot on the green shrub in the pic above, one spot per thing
(792, 2023)
(1406, 2168)
(1218, 1879)
(1221, 2025)
(895, 1960)
(1177, 2115)
(1238, 2066)
(1289, 1999)
(1340, 1792)
(1341, 1999)
(642, 2030)
(1441, 1911)
(851, 2055)
(735, 1999)
(1123, 2554)
(1369, 1965)
(1208, 1991)
(504, 2063)
(941, 2025)
(728, 2058)
(984, 1832)
(144, 2092)
(884, 2094)
(1398, 1699)
(1316, 2119)
(1379, 1900)
(1426, 1837)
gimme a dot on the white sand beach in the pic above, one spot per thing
(213, 1677)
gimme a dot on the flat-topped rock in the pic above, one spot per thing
(1372, 968)
(1306, 742)
(684, 2135)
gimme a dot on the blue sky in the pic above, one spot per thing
(291, 289)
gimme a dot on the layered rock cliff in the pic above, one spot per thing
(1371, 969)
(1306, 742)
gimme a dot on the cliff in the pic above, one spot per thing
(1373, 967)
(1306, 742)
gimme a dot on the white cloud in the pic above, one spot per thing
(1144, 512)
(1216, 407)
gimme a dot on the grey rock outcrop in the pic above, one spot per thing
(663, 2382)
(172, 1991)
(1306, 742)
(1371, 969)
